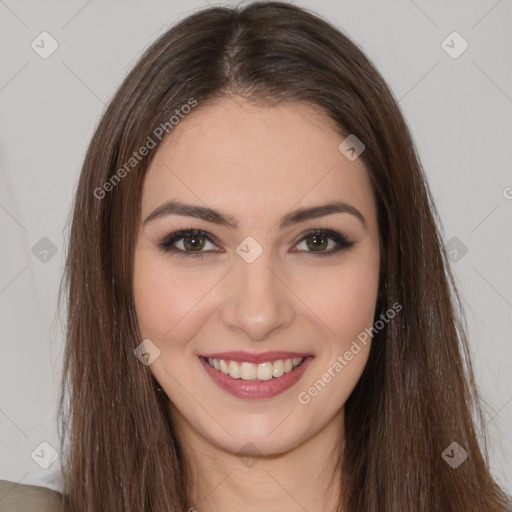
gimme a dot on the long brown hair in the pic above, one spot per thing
(417, 394)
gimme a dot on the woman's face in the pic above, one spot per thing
(255, 280)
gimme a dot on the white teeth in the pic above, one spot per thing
(250, 371)
(264, 371)
(214, 363)
(223, 366)
(234, 369)
(278, 368)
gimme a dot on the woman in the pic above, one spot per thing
(261, 314)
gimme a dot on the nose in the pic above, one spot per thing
(258, 299)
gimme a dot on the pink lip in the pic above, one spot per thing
(250, 357)
(255, 389)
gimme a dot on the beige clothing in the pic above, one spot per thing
(16, 497)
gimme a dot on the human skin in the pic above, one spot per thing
(257, 164)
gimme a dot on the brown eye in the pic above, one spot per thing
(193, 242)
(324, 242)
(188, 242)
(318, 242)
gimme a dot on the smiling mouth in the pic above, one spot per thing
(259, 380)
(250, 371)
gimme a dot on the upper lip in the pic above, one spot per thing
(251, 357)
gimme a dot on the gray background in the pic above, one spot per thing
(459, 111)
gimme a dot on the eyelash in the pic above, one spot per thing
(166, 244)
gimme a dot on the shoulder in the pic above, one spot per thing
(16, 497)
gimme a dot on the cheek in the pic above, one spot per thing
(346, 305)
(344, 297)
(164, 295)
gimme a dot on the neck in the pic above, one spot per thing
(306, 477)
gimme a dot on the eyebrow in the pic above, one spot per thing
(223, 219)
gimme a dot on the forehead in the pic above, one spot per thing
(252, 160)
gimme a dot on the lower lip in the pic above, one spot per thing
(256, 389)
